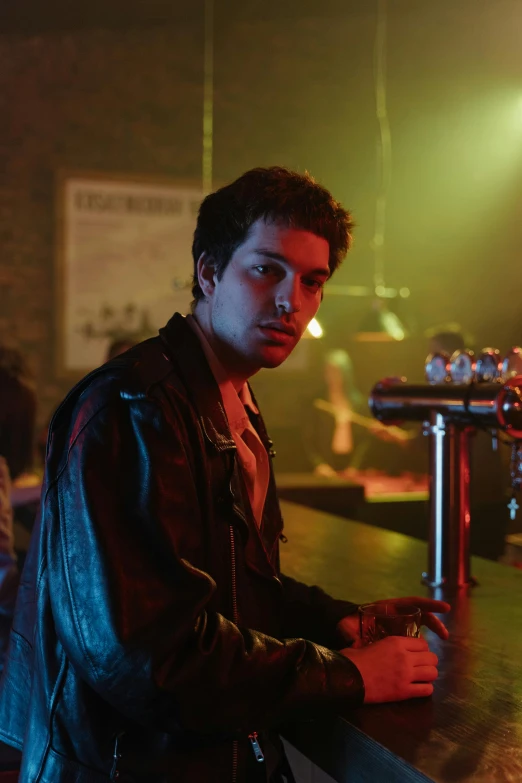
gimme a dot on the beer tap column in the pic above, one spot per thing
(460, 396)
(449, 532)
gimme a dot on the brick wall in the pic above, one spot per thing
(119, 89)
(128, 99)
(107, 100)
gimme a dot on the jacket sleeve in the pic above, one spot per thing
(312, 613)
(131, 608)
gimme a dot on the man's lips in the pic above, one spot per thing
(277, 326)
(277, 332)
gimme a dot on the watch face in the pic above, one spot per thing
(462, 367)
(436, 367)
(487, 369)
(512, 364)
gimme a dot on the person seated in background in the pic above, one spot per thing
(119, 346)
(8, 566)
(17, 420)
(339, 433)
(17, 415)
(445, 339)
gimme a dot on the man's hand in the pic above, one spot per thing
(348, 627)
(395, 668)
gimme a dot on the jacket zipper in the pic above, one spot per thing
(256, 747)
(253, 737)
(235, 619)
(116, 756)
(235, 613)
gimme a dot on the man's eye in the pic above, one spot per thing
(314, 285)
(265, 269)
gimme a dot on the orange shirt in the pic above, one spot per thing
(252, 455)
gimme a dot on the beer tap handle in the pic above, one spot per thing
(494, 440)
(513, 507)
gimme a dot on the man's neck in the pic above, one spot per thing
(225, 356)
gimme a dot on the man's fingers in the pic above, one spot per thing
(395, 668)
(426, 659)
(426, 604)
(427, 607)
(435, 625)
(425, 673)
(413, 644)
(419, 689)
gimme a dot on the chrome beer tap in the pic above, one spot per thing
(461, 394)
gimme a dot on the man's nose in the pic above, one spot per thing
(288, 297)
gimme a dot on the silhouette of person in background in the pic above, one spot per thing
(340, 433)
(17, 420)
(8, 566)
(117, 347)
(17, 413)
(445, 341)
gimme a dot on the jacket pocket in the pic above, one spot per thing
(15, 692)
(60, 769)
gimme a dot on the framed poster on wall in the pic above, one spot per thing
(124, 262)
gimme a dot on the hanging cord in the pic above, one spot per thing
(383, 141)
(208, 98)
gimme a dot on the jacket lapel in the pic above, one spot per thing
(185, 352)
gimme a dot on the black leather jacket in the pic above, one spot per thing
(154, 631)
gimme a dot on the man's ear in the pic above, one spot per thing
(206, 274)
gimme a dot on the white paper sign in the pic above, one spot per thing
(126, 264)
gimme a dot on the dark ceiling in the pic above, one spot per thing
(47, 15)
(19, 16)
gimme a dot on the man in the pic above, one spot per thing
(445, 340)
(155, 638)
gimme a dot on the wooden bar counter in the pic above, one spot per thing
(470, 730)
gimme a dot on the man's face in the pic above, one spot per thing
(269, 292)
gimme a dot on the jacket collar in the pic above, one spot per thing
(184, 350)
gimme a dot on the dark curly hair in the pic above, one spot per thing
(272, 194)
